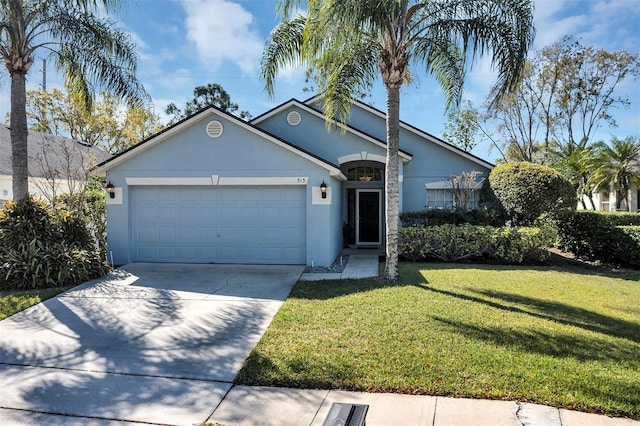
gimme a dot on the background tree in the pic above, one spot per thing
(350, 43)
(585, 94)
(87, 49)
(567, 92)
(618, 165)
(462, 127)
(108, 124)
(203, 96)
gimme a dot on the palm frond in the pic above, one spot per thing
(283, 48)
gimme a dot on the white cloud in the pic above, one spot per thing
(553, 20)
(223, 31)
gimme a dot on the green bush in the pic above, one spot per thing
(453, 217)
(595, 236)
(454, 243)
(622, 218)
(39, 249)
(526, 190)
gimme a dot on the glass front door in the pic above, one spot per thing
(368, 215)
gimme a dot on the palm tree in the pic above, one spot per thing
(578, 164)
(350, 43)
(618, 167)
(86, 48)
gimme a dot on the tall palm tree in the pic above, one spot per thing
(86, 48)
(619, 166)
(350, 43)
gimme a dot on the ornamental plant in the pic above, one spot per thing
(526, 190)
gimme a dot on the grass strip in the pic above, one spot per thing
(12, 302)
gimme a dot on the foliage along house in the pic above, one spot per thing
(278, 189)
(56, 164)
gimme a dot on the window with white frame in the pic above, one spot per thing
(439, 196)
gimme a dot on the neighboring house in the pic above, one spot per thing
(606, 200)
(56, 164)
(215, 189)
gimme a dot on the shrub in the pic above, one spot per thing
(594, 236)
(453, 243)
(622, 218)
(453, 217)
(526, 190)
(39, 249)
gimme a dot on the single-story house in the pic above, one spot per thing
(278, 189)
(56, 164)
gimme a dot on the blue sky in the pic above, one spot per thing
(186, 43)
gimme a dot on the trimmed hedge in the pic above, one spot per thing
(595, 236)
(40, 249)
(454, 243)
(621, 218)
(453, 217)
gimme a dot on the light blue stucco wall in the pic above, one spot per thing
(312, 135)
(239, 152)
(430, 163)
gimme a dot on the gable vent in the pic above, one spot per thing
(214, 129)
(294, 118)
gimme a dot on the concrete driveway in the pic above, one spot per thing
(156, 343)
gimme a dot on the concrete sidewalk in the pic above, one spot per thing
(245, 405)
(358, 266)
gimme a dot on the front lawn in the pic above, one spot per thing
(562, 336)
(12, 302)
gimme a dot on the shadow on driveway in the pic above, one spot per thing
(150, 342)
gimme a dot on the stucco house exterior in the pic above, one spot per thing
(606, 200)
(278, 189)
(56, 164)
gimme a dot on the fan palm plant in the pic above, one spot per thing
(87, 49)
(348, 44)
(618, 167)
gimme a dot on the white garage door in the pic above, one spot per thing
(219, 225)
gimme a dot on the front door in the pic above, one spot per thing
(368, 214)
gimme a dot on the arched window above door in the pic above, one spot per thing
(364, 174)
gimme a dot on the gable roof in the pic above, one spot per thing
(61, 154)
(166, 133)
(414, 130)
(406, 156)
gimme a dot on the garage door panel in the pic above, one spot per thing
(145, 234)
(229, 215)
(248, 233)
(188, 235)
(207, 233)
(293, 235)
(166, 235)
(290, 214)
(223, 224)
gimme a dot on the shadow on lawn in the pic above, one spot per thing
(550, 343)
(551, 311)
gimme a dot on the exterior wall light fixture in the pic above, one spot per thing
(323, 189)
(111, 190)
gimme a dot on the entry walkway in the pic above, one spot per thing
(358, 266)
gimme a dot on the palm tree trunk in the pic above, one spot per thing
(19, 133)
(392, 195)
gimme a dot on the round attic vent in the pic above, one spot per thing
(294, 118)
(214, 129)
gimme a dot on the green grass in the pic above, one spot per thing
(13, 302)
(561, 336)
